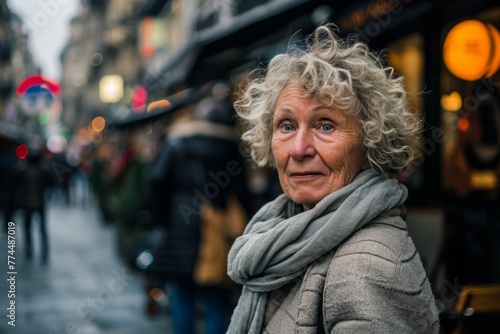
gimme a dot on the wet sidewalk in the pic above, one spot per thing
(84, 288)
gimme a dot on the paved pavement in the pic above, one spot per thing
(85, 287)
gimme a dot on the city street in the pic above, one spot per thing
(84, 288)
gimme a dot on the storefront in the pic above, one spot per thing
(450, 55)
(470, 119)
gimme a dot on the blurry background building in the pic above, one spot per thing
(15, 64)
(101, 62)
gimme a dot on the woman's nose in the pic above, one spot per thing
(302, 145)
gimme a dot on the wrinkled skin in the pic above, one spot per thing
(317, 148)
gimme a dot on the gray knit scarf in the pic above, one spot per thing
(280, 241)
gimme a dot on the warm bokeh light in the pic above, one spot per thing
(495, 57)
(157, 294)
(86, 135)
(463, 124)
(158, 106)
(111, 88)
(452, 102)
(98, 124)
(484, 180)
(469, 49)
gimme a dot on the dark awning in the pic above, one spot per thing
(11, 132)
(152, 7)
(215, 52)
(220, 49)
(177, 101)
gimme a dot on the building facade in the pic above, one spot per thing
(16, 63)
(103, 41)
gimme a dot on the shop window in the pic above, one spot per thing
(406, 56)
(470, 119)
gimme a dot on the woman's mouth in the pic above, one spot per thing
(305, 176)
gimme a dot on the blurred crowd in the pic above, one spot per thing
(148, 180)
(151, 184)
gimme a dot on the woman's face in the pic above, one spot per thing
(317, 148)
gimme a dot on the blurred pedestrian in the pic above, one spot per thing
(9, 199)
(128, 192)
(99, 181)
(63, 173)
(199, 164)
(32, 180)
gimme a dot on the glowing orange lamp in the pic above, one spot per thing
(495, 59)
(472, 50)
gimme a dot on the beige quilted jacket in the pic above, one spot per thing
(374, 283)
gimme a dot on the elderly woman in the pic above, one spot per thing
(331, 254)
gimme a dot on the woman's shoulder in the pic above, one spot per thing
(381, 252)
(377, 275)
(386, 237)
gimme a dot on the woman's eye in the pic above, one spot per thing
(287, 127)
(326, 127)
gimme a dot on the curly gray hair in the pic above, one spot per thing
(346, 74)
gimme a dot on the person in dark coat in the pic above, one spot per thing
(8, 196)
(198, 163)
(33, 180)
